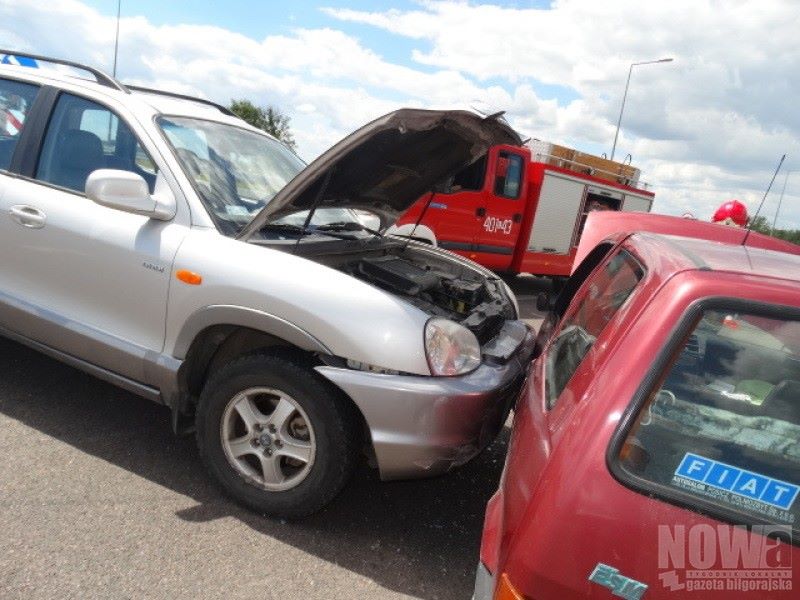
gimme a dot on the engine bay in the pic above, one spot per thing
(434, 284)
(474, 301)
(439, 285)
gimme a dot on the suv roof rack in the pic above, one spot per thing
(109, 81)
(101, 77)
(224, 110)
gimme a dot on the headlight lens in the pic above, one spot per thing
(452, 349)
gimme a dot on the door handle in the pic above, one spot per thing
(480, 212)
(517, 217)
(27, 216)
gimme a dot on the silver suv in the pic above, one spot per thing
(162, 244)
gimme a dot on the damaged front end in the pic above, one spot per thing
(438, 284)
(439, 288)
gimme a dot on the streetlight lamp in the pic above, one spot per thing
(625, 95)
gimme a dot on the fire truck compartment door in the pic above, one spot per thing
(634, 203)
(560, 201)
(603, 192)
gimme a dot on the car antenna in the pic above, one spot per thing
(769, 187)
(421, 215)
(313, 207)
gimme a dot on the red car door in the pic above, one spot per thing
(500, 216)
(452, 215)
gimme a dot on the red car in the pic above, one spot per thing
(655, 450)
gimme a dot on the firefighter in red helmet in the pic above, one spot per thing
(732, 213)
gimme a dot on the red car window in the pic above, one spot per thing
(724, 426)
(601, 296)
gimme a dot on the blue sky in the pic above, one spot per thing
(262, 19)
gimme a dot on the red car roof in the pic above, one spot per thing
(741, 259)
(709, 245)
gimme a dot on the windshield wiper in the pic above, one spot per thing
(304, 231)
(347, 226)
(288, 227)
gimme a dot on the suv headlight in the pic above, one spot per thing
(452, 349)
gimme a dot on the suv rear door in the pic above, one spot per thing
(87, 280)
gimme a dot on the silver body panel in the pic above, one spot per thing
(428, 425)
(350, 318)
(484, 584)
(96, 288)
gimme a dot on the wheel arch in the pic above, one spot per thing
(214, 336)
(248, 318)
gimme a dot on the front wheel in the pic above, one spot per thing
(276, 437)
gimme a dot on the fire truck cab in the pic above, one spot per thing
(522, 209)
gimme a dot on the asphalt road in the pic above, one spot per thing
(100, 500)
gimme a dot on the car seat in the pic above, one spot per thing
(79, 153)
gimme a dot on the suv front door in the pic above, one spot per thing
(88, 280)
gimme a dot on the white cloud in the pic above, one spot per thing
(708, 126)
(721, 114)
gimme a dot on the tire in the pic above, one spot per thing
(302, 430)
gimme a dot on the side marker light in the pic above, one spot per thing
(189, 277)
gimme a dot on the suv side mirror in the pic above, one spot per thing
(128, 192)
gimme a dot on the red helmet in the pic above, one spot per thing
(731, 212)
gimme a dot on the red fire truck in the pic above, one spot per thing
(522, 209)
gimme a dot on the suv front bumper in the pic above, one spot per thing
(423, 426)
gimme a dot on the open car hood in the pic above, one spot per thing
(386, 166)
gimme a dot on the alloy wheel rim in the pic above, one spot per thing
(267, 438)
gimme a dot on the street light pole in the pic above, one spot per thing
(625, 95)
(780, 201)
(116, 38)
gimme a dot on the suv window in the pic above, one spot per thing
(598, 301)
(508, 175)
(723, 426)
(16, 99)
(84, 136)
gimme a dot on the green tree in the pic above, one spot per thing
(761, 224)
(266, 118)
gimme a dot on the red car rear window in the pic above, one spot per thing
(724, 424)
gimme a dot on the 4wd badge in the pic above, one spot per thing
(621, 586)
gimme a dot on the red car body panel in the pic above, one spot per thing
(559, 511)
(603, 225)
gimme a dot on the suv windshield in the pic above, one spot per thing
(236, 172)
